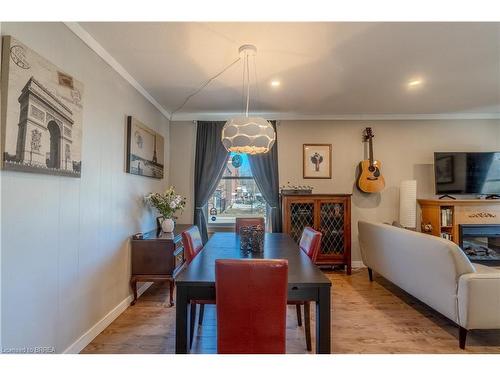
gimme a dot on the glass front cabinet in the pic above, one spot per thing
(328, 213)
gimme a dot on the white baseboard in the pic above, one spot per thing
(97, 328)
(357, 264)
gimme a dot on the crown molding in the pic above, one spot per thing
(222, 116)
(95, 46)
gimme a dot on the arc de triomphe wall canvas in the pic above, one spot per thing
(41, 114)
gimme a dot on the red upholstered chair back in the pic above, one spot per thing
(251, 299)
(310, 242)
(247, 221)
(191, 240)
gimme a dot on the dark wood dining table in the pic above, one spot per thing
(305, 281)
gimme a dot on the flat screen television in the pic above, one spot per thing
(467, 173)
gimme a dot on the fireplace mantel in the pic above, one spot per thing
(460, 202)
(442, 218)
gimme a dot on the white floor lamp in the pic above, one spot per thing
(408, 204)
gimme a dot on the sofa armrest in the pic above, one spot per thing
(479, 300)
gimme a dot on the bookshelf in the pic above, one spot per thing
(446, 227)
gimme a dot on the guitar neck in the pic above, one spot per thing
(370, 150)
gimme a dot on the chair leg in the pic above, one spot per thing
(191, 323)
(172, 287)
(200, 317)
(462, 336)
(299, 315)
(307, 322)
(370, 274)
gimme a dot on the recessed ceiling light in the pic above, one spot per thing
(275, 83)
(415, 82)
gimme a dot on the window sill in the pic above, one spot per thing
(220, 227)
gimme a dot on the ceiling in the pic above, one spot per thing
(325, 69)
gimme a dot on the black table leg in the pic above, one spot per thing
(323, 325)
(181, 319)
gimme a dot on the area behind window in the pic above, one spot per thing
(237, 194)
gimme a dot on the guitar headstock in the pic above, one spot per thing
(368, 134)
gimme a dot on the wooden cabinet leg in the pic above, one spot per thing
(172, 287)
(349, 269)
(133, 285)
(370, 274)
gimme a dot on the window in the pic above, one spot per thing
(237, 194)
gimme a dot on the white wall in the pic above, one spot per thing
(182, 164)
(65, 249)
(405, 149)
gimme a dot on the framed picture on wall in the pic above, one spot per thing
(144, 150)
(41, 114)
(317, 160)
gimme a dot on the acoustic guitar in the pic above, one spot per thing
(370, 178)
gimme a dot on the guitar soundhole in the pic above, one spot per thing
(371, 168)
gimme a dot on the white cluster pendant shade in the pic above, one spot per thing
(248, 135)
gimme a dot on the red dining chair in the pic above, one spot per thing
(191, 240)
(248, 221)
(310, 243)
(251, 305)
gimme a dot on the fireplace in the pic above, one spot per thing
(480, 242)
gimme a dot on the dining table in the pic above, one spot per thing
(306, 282)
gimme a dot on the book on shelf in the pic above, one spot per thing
(446, 236)
(446, 217)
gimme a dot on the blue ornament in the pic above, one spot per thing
(237, 160)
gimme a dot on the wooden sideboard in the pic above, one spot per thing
(158, 256)
(464, 211)
(328, 213)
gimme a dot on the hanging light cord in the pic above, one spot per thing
(248, 83)
(256, 77)
(205, 85)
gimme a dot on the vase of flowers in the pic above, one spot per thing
(167, 204)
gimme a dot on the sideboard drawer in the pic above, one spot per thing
(178, 259)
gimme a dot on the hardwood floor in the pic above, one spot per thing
(367, 317)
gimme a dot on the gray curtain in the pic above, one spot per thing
(265, 172)
(211, 157)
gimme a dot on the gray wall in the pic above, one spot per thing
(65, 252)
(405, 149)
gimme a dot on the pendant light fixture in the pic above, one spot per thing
(245, 134)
